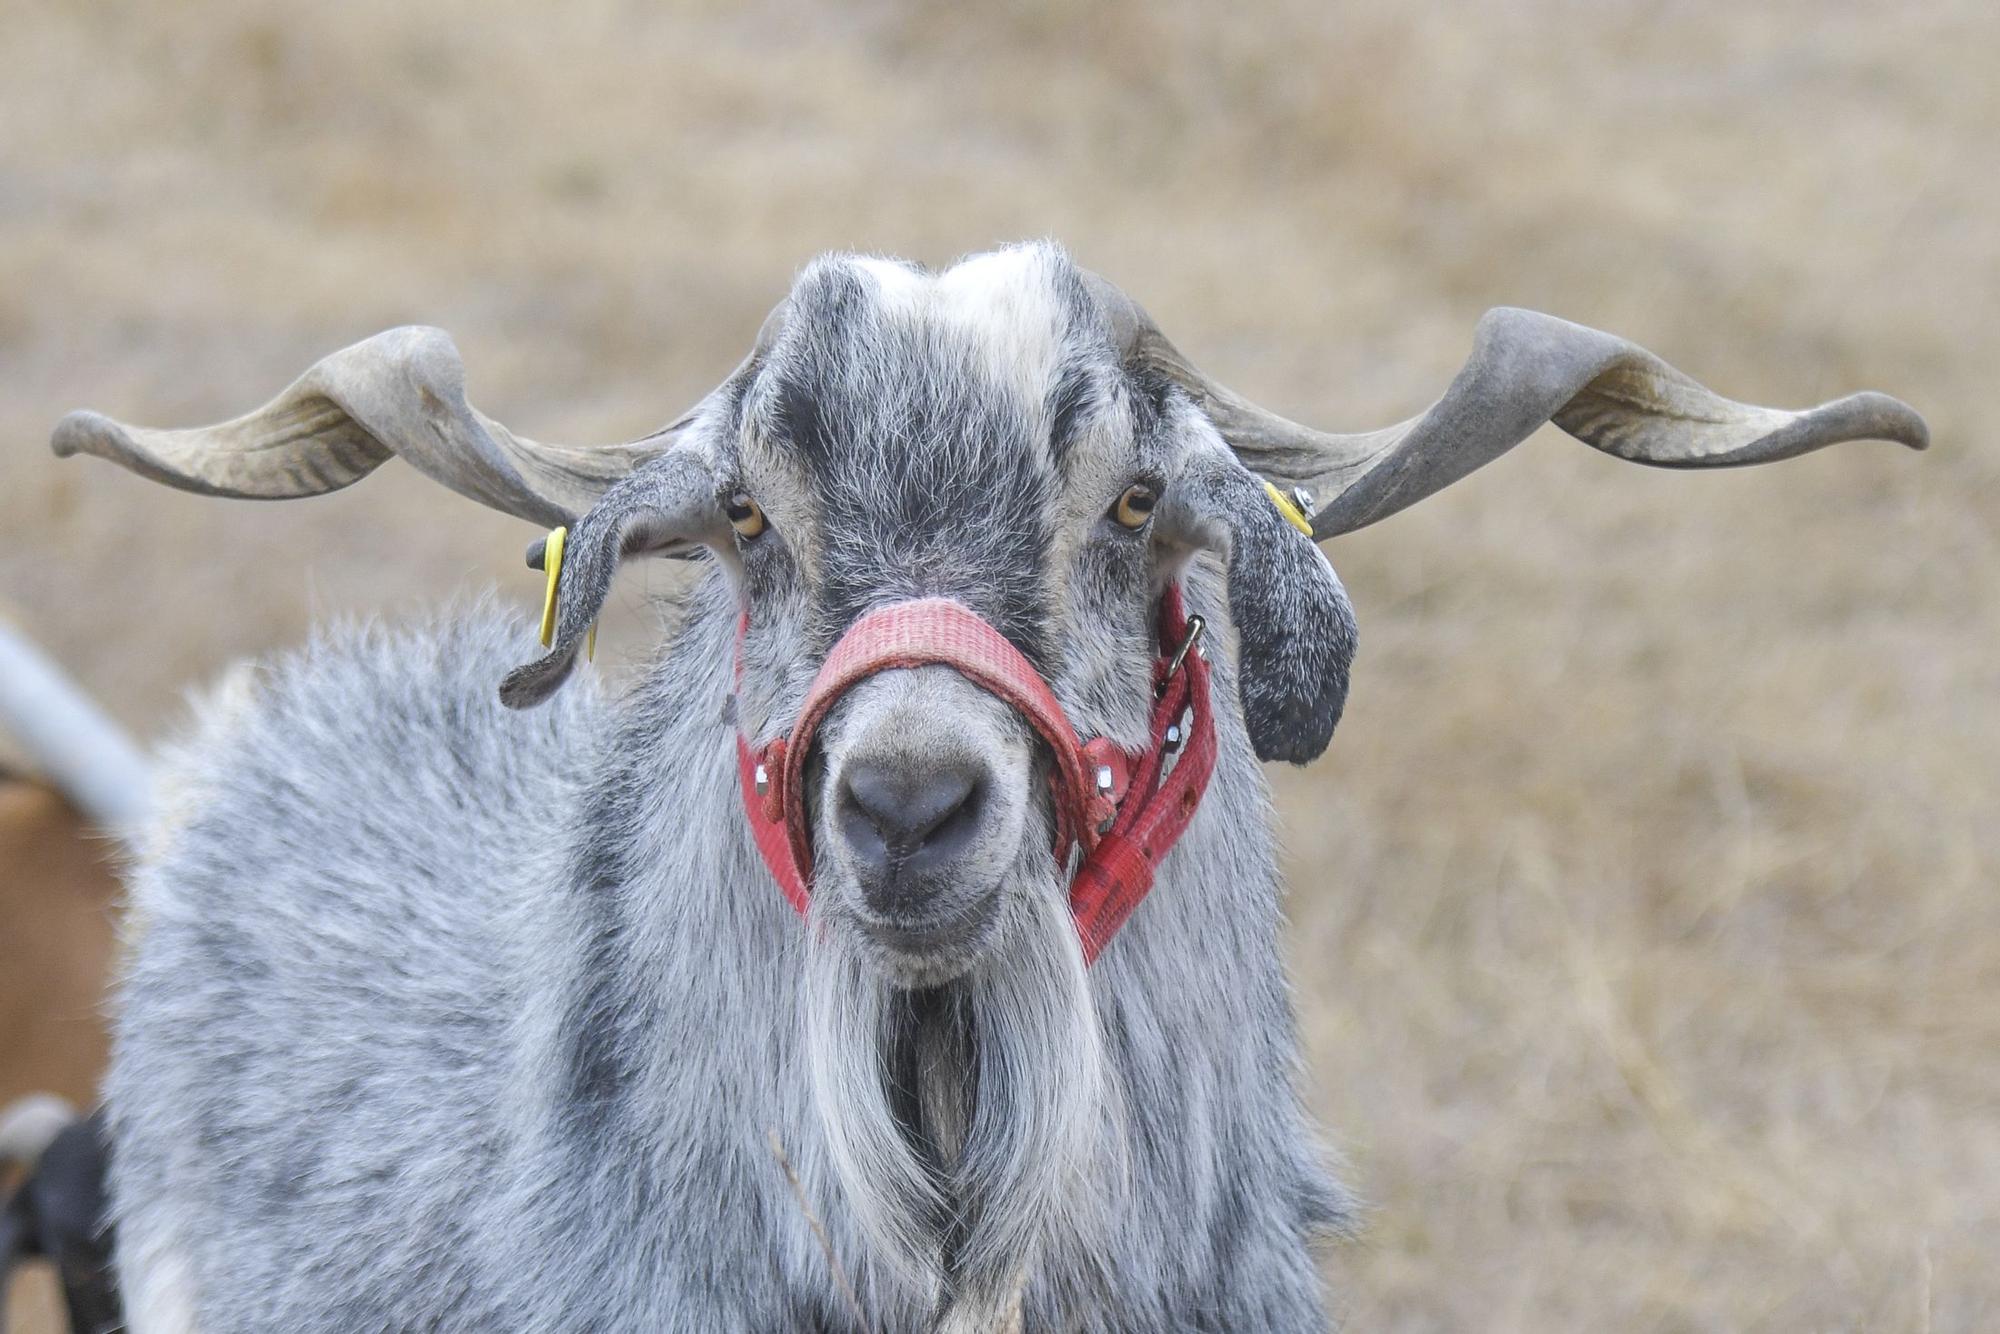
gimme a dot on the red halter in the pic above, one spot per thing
(1124, 810)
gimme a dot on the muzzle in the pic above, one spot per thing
(1122, 811)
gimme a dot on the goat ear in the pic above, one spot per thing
(662, 508)
(1294, 625)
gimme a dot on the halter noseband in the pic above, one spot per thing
(1124, 811)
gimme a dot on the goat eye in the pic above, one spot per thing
(1135, 506)
(746, 516)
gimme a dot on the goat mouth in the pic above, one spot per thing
(932, 946)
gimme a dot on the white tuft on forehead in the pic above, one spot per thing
(1007, 304)
(898, 284)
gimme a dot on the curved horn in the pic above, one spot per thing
(398, 393)
(1526, 368)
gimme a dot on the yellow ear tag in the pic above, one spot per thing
(552, 558)
(552, 561)
(1286, 509)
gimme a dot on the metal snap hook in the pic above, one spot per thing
(1195, 626)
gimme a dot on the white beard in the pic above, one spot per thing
(971, 1126)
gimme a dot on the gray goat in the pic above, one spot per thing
(446, 1015)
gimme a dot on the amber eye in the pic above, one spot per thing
(1135, 506)
(746, 516)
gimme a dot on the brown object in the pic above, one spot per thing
(58, 888)
(58, 891)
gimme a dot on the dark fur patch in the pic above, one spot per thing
(1070, 404)
(1295, 635)
(599, 1015)
(926, 477)
(799, 423)
(1150, 392)
(934, 1043)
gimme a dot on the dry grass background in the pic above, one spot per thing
(1645, 916)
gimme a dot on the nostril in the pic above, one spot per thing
(907, 814)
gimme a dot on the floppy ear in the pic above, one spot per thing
(1294, 625)
(661, 508)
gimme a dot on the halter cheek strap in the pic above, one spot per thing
(1123, 810)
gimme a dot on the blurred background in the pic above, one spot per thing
(1644, 912)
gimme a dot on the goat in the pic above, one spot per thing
(452, 1015)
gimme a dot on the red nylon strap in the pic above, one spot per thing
(1156, 811)
(918, 634)
(772, 841)
(1146, 813)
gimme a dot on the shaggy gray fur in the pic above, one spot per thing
(449, 1017)
(454, 1018)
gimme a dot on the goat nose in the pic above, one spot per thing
(905, 816)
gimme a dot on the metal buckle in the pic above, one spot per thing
(1195, 626)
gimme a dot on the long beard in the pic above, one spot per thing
(970, 1125)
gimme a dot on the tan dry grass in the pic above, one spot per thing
(1645, 909)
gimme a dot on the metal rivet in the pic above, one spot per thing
(1104, 778)
(1173, 738)
(763, 780)
(1304, 500)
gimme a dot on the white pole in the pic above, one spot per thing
(80, 751)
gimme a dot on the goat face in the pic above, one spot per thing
(974, 435)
